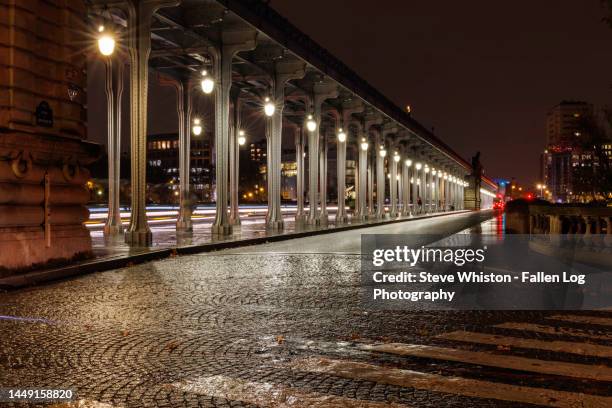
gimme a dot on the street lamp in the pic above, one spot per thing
(207, 83)
(364, 144)
(311, 125)
(197, 127)
(241, 138)
(408, 162)
(106, 41)
(426, 169)
(396, 157)
(269, 107)
(382, 152)
(341, 136)
(418, 166)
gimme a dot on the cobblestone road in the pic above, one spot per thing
(280, 325)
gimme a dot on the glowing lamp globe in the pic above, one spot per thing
(207, 83)
(106, 42)
(269, 107)
(311, 125)
(197, 127)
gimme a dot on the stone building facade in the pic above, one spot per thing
(43, 147)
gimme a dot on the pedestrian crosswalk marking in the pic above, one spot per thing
(270, 395)
(539, 328)
(453, 385)
(601, 321)
(584, 349)
(592, 372)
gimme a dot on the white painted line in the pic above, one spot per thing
(600, 321)
(583, 349)
(539, 328)
(592, 372)
(270, 395)
(453, 385)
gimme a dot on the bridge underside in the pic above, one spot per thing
(255, 58)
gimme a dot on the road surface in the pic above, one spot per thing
(280, 325)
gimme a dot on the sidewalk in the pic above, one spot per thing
(112, 254)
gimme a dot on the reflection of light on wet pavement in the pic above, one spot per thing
(602, 321)
(455, 385)
(270, 395)
(575, 370)
(555, 330)
(26, 319)
(583, 349)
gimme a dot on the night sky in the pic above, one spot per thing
(482, 73)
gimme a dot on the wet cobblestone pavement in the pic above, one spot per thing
(280, 325)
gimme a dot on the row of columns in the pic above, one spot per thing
(420, 184)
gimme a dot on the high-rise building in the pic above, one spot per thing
(567, 155)
(163, 161)
(564, 123)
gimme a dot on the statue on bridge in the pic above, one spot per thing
(472, 192)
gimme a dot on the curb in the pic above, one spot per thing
(104, 264)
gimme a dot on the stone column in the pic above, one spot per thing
(313, 169)
(234, 157)
(183, 109)
(323, 216)
(370, 183)
(363, 178)
(233, 42)
(445, 187)
(341, 216)
(321, 92)
(380, 179)
(283, 71)
(426, 188)
(406, 174)
(357, 211)
(114, 91)
(400, 190)
(453, 195)
(436, 190)
(183, 222)
(415, 181)
(393, 184)
(300, 217)
(139, 47)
